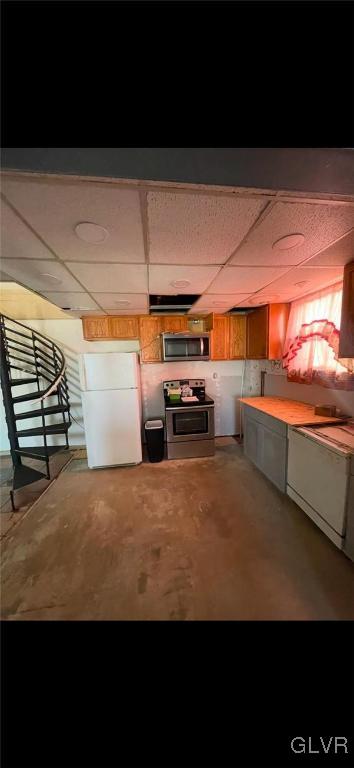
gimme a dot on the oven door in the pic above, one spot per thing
(184, 424)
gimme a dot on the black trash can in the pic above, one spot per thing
(154, 432)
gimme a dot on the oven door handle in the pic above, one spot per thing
(190, 408)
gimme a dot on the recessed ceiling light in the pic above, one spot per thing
(301, 283)
(180, 283)
(122, 303)
(48, 276)
(288, 242)
(91, 233)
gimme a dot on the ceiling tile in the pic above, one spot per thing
(79, 301)
(197, 229)
(245, 279)
(30, 274)
(131, 311)
(321, 224)
(111, 301)
(84, 313)
(310, 279)
(219, 302)
(53, 208)
(17, 240)
(21, 304)
(161, 277)
(128, 278)
(340, 253)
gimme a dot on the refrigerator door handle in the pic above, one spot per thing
(83, 374)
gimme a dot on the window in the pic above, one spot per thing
(311, 346)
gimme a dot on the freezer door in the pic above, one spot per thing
(113, 427)
(109, 370)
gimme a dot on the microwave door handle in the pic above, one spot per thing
(202, 346)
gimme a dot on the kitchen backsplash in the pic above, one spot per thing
(223, 382)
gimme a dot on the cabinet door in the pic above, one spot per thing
(274, 457)
(346, 337)
(175, 324)
(257, 334)
(237, 337)
(250, 437)
(124, 327)
(220, 338)
(150, 340)
(278, 321)
(96, 328)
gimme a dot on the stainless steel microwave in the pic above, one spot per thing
(185, 346)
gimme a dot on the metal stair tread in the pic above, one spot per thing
(50, 409)
(29, 396)
(18, 382)
(51, 429)
(39, 452)
(25, 475)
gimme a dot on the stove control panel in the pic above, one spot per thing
(196, 385)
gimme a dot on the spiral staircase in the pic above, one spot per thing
(32, 361)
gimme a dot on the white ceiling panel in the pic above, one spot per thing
(219, 302)
(302, 280)
(198, 278)
(30, 274)
(17, 240)
(244, 279)
(197, 229)
(321, 225)
(122, 301)
(127, 278)
(53, 208)
(340, 253)
(79, 301)
(130, 311)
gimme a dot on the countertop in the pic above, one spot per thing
(291, 411)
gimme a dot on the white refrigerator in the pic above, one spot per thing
(111, 403)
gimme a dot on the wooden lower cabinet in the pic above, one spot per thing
(150, 342)
(220, 338)
(237, 346)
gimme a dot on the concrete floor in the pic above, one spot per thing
(179, 540)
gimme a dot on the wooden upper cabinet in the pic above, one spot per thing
(175, 323)
(150, 340)
(124, 327)
(257, 334)
(346, 336)
(220, 337)
(277, 325)
(96, 328)
(237, 337)
(266, 330)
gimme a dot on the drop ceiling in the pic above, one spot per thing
(217, 244)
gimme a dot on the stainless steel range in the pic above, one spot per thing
(189, 420)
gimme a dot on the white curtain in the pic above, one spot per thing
(312, 340)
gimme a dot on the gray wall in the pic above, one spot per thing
(307, 170)
(277, 385)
